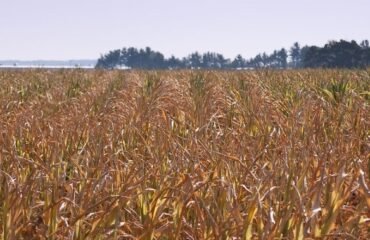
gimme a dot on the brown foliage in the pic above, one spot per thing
(184, 154)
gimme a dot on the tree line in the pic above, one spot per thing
(334, 54)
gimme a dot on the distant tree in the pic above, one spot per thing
(174, 63)
(365, 57)
(153, 60)
(238, 62)
(311, 57)
(295, 54)
(257, 62)
(365, 44)
(207, 60)
(274, 60)
(185, 62)
(109, 60)
(303, 53)
(195, 60)
(221, 61)
(133, 60)
(124, 57)
(265, 59)
(283, 58)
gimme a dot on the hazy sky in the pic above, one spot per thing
(70, 29)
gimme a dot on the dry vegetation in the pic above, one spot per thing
(184, 154)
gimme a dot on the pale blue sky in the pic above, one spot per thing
(75, 29)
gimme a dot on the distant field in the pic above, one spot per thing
(184, 154)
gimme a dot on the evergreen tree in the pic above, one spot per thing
(195, 60)
(365, 44)
(283, 58)
(238, 62)
(295, 54)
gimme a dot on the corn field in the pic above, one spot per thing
(184, 154)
